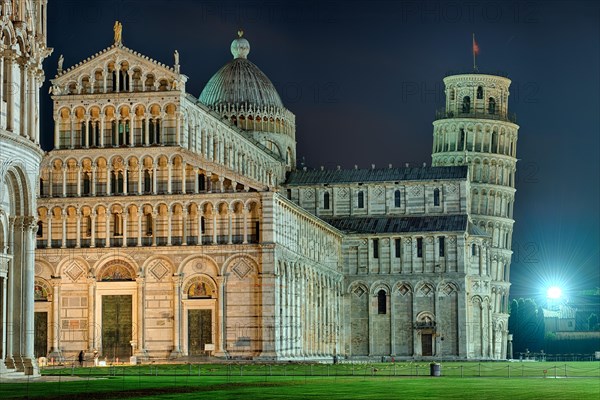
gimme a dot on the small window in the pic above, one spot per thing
(40, 230)
(289, 194)
(117, 225)
(492, 106)
(419, 247)
(375, 248)
(149, 224)
(461, 140)
(442, 246)
(202, 184)
(466, 105)
(381, 302)
(452, 94)
(202, 225)
(436, 197)
(479, 92)
(326, 200)
(397, 248)
(473, 250)
(86, 183)
(397, 198)
(361, 199)
(88, 226)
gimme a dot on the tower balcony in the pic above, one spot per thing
(442, 113)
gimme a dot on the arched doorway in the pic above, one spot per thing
(200, 305)
(116, 296)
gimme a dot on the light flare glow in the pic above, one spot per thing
(554, 292)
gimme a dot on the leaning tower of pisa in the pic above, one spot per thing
(475, 129)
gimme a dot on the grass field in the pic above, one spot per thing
(300, 381)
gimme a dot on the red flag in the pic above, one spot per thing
(475, 46)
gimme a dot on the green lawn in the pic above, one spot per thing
(300, 381)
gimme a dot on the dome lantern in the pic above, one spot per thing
(240, 47)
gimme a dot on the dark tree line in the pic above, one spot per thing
(526, 323)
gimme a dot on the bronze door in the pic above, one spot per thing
(40, 343)
(199, 331)
(116, 327)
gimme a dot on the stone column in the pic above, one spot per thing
(64, 180)
(23, 100)
(140, 348)
(107, 229)
(139, 237)
(169, 178)
(177, 279)
(125, 180)
(221, 317)
(199, 225)
(92, 345)
(214, 232)
(140, 178)
(392, 323)
(94, 178)
(64, 229)
(86, 131)
(177, 129)
(78, 166)
(55, 332)
(78, 232)
(49, 233)
(154, 180)
(29, 231)
(130, 123)
(183, 177)
(184, 215)
(245, 211)
(56, 132)
(169, 226)
(93, 233)
(109, 176)
(124, 217)
(146, 123)
(101, 144)
(229, 225)
(154, 233)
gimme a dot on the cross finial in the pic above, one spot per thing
(240, 33)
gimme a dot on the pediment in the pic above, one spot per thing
(116, 54)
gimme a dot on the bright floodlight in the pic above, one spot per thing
(554, 292)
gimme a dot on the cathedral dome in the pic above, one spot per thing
(240, 82)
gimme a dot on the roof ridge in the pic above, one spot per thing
(107, 49)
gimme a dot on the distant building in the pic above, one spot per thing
(175, 226)
(573, 314)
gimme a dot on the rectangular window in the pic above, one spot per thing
(397, 248)
(442, 247)
(361, 200)
(419, 247)
(375, 248)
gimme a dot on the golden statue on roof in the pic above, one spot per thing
(118, 29)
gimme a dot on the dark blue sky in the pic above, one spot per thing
(364, 80)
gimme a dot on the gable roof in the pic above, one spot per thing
(115, 51)
(316, 177)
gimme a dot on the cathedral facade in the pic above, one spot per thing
(171, 225)
(23, 41)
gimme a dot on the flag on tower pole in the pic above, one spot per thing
(475, 53)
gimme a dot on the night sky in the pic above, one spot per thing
(365, 78)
